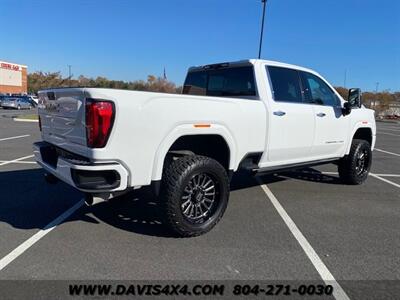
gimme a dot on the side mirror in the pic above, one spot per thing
(354, 98)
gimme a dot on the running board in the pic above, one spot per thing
(295, 166)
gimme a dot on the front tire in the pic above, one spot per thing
(354, 167)
(196, 191)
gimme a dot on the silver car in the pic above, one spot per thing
(16, 103)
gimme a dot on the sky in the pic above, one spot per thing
(130, 39)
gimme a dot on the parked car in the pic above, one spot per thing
(2, 97)
(16, 103)
(33, 100)
(257, 115)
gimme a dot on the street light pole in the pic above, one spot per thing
(376, 93)
(262, 28)
(69, 74)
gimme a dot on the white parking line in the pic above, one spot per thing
(388, 175)
(384, 151)
(390, 129)
(336, 173)
(378, 176)
(14, 137)
(18, 162)
(385, 180)
(319, 265)
(380, 132)
(15, 160)
(10, 257)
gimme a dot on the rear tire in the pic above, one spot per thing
(196, 191)
(354, 167)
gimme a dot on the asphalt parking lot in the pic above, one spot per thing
(302, 225)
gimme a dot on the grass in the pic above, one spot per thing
(28, 117)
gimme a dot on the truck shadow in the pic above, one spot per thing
(27, 202)
(140, 211)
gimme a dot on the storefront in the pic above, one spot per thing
(13, 78)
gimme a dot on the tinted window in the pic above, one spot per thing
(285, 84)
(236, 81)
(195, 83)
(317, 91)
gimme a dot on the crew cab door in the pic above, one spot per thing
(331, 127)
(291, 121)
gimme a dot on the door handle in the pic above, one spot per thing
(321, 115)
(279, 113)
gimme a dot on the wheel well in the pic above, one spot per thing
(364, 134)
(213, 146)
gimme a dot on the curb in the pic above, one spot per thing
(25, 120)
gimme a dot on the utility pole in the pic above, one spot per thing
(69, 74)
(376, 93)
(264, 2)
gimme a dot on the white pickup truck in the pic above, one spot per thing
(258, 115)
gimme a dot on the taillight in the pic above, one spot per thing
(99, 121)
(40, 124)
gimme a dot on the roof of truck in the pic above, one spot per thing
(253, 62)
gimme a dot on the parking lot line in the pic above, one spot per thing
(390, 129)
(15, 160)
(385, 180)
(380, 132)
(319, 265)
(37, 236)
(18, 162)
(388, 152)
(14, 137)
(336, 173)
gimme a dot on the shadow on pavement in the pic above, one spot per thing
(27, 202)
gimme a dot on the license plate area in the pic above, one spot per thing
(49, 155)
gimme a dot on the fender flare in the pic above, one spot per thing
(189, 129)
(357, 126)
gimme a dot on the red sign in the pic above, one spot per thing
(9, 67)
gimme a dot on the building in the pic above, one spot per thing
(13, 78)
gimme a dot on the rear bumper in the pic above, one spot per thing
(84, 175)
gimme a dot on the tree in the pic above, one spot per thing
(40, 81)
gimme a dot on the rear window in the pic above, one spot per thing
(236, 81)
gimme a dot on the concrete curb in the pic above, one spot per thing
(25, 120)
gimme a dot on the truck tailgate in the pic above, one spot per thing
(62, 116)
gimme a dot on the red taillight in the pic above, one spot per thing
(40, 124)
(99, 121)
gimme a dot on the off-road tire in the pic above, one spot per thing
(347, 166)
(176, 178)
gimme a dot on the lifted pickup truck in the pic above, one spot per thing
(258, 115)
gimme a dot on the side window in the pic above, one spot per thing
(285, 84)
(317, 91)
(196, 83)
(237, 81)
(229, 82)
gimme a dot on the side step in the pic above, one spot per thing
(295, 166)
